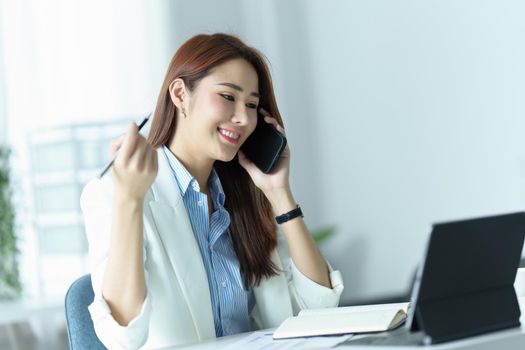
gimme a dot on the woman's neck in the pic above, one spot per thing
(199, 168)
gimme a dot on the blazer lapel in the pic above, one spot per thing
(175, 231)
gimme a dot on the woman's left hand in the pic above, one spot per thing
(278, 178)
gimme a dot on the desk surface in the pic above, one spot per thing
(511, 339)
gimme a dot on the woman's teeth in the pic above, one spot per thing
(229, 134)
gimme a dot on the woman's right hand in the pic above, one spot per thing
(135, 167)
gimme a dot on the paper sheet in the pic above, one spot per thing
(264, 340)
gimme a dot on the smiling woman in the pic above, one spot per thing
(183, 241)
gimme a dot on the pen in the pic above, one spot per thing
(116, 154)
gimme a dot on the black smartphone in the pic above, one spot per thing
(264, 146)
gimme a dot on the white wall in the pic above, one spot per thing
(419, 116)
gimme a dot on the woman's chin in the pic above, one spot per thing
(226, 157)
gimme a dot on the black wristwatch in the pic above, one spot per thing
(292, 214)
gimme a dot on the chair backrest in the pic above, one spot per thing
(80, 330)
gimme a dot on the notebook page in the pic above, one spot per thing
(352, 309)
(325, 324)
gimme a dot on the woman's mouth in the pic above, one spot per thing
(229, 135)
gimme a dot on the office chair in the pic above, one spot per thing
(80, 330)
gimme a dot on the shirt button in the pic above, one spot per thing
(201, 203)
(223, 284)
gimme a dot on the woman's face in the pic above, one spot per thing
(222, 110)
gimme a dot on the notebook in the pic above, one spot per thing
(341, 320)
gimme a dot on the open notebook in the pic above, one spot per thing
(340, 320)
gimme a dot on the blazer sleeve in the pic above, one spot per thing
(305, 293)
(95, 202)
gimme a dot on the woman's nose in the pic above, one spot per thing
(241, 115)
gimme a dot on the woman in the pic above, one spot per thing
(182, 236)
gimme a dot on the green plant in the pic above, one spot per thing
(323, 233)
(9, 276)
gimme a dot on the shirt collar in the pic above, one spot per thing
(184, 179)
(182, 176)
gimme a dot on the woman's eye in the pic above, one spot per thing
(228, 97)
(232, 99)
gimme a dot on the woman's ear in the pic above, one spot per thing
(178, 93)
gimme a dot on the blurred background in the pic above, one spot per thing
(399, 114)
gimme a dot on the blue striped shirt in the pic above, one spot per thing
(229, 299)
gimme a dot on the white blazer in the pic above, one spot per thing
(177, 308)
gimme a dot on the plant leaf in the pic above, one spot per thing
(323, 233)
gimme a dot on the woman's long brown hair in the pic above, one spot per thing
(252, 226)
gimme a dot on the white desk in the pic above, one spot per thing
(511, 339)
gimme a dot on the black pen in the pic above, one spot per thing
(116, 154)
